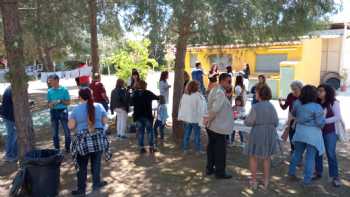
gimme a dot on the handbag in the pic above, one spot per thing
(340, 130)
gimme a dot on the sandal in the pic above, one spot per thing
(266, 184)
(253, 185)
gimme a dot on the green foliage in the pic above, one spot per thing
(112, 70)
(153, 16)
(230, 21)
(132, 54)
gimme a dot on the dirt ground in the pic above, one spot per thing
(170, 173)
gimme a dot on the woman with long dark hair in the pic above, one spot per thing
(89, 120)
(164, 86)
(308, 133)
(246, 74)
(134, 79)
(326, 98)
(246, 71)
(240, 89)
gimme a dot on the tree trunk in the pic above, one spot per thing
(184, 28)
(45, 56)
(178, 128)
(14, 49)
(48, 59)
(93, 32)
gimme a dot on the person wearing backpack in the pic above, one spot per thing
(120, 105)
(326, 98)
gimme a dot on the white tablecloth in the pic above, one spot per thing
(240, 126)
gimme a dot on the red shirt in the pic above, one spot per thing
(98, 91)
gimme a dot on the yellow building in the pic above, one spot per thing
(311, 60)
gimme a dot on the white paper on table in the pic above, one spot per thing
(43, 77)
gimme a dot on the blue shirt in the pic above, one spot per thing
(7, 105)
(197, 74)
(309, 122)
(60, 93)
(80, 115)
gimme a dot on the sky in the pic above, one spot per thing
(343, 15)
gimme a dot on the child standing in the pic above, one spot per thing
(162, 115)
(238, 113)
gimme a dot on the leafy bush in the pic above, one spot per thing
(132, 54)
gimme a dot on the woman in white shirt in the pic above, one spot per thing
(240, 88)
(193, 108)
(164, 86)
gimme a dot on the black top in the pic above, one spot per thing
(253, 91)
(120, 99)
(7, 105)
(246, 73)
(142, 102)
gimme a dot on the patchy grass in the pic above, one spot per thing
(169, 173)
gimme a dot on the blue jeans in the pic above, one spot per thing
(142, 125)
(95, 159)
(330, 142)
(161, 126)
(11, 140)
(309, 165)
(57, 117)
(197, 135)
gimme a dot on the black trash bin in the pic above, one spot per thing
(43, 172)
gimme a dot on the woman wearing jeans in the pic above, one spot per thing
(192, 110)
(89, 119)
(326, 95)
(308, 133)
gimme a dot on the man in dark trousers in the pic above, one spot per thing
(58, 100)
(219, 125)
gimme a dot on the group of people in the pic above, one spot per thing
(89, 120)
(313, 113)
(311, 127)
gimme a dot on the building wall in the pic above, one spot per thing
(242, 56)
(307, 58)
(309, 68)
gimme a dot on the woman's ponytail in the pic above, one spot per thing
(86, 95)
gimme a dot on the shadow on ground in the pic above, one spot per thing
(169, 173)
